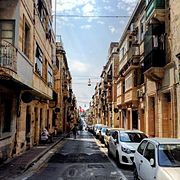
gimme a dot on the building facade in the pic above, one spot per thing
(28, 61)
(148, 70)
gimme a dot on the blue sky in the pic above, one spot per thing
(86, 40)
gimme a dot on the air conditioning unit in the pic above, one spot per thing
(133, 29)
(49, 84)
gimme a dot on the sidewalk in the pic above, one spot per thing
(20, 164)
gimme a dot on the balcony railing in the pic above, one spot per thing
(8, 56)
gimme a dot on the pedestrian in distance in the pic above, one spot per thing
(74, 131)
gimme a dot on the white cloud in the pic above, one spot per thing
(127, 5)
(78, 67)
(108, 8)
(86, 26)
(112, 29)
(105, 1)
(69, 5)
(100, 22)
(87, 9)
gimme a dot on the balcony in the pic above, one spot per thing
(155, 9)
(14, 65)
(133, 53)
(130, 95)
(120, 100)
(8, 56)
(153, 65)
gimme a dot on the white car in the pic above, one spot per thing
(157, 158)
(97, 129)
(123, 144)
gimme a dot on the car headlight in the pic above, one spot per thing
(126, 150)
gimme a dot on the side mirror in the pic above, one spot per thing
(152, 163)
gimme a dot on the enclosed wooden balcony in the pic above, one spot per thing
(154, 52)
(130, 95)
(155, 9)
(120, 100)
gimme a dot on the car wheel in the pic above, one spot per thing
(135, 173)
(117, 160)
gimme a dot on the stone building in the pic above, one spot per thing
(147, 95)
(130, 79)
(108, 94)
(174, 39)
(66, 101)
(148, 73)
(28, 62)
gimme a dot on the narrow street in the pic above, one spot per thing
(81, 158)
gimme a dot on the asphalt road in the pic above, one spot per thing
(80, 159)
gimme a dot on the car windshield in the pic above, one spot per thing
(132, 137)
(169, 155)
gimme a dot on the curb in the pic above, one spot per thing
(30, 164)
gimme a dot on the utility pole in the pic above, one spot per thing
(55, 18)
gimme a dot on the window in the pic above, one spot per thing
(128, 82)
(6, 113)
(142, 28)
(6, 39)
(142, 147)
(50, 75)
(132, 137)
(38, 60)
(147, 2)
(169, 155)
(41, 10)
(26, 39)
(149, 152)
(119, 89)
(122, 53)
(7, 31)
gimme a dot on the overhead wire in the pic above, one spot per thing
(91, 16)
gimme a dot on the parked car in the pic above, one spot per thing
(123, 144)
(90, 128)
(97, 129)
(102, 133)
(157, 158)
(108, 133)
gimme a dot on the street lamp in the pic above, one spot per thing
(89, 82)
